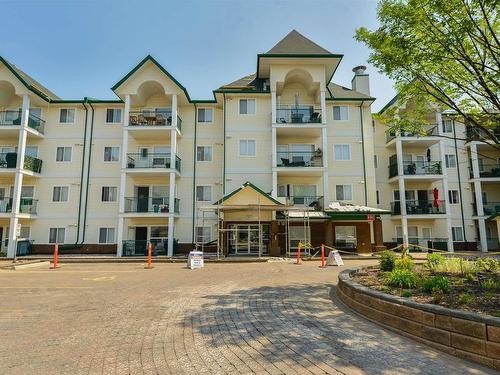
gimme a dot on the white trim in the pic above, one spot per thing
(342, 144)
(99, 236)
(64, 161)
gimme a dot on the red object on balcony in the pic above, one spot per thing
(436, 197)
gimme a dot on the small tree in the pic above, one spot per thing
(443, 52)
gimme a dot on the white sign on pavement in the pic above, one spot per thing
(334, 258)
(195, 259)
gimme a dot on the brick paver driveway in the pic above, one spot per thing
(263, 318)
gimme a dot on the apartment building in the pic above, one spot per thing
(280, 156)
(442, 185)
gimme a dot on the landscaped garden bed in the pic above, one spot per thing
(452, 282)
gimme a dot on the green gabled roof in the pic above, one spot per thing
(138, 66)
(391, 102)
(294, 43)
(247, 184)
(29, 82)
(247, 84)
(338, 92)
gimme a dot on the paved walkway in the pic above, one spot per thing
(271, 318)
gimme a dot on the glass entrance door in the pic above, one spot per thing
(244, 239)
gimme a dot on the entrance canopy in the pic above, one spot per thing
(338, 210)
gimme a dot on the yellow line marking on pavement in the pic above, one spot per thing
(102, 278)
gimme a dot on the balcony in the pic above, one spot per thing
(9, 161)
(427, 131)
(155, 160)
(298, 115)
(159, 246)
(491, 170)
(152, 119)
(299, 159)
(13, 118)
(419, 207)
(150, 205)
(489, 208)
(27, 206)
(417, 168)
(476, 134)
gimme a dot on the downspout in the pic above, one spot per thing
(194, 172)
(81, 175)
(224, 149)
(459, 181)
(363, 151)
(88, 174)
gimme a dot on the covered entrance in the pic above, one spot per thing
(245, 239)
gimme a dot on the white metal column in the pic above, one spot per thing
(173, 153)
(123, 177)
(18, 184)
(274, 162)
(323, 106)
(478, 191)
(445, 193)
(402, 190)
(273, 107)
(324, 140)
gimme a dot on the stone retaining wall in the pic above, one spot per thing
(467, 335)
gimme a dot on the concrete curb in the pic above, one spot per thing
(35, 264)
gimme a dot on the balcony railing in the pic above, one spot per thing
(12, 118)
(151, 160)
(489, 208)
(298, 115)
(418, 168)
(486, 170)
(419, 207)
(26, 206)
(150, 204)
(427, 131)
(299, 159)
(153, 118)
(477, 134)
(9, 160)
(307, 201)
(159, 246)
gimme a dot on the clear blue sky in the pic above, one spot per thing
(82, 48)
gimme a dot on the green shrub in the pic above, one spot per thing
(487, 264)
(470, 277)
(437, 295)
(456, 265)
(465, 297)
(437, 282)
(404, 279)
(405, 263)
(433, 260)
(489, 296)
(387, 261)
(488, 284)
(406, 294)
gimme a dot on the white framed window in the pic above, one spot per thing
(447, 126)
(109, 194)
(203, 153)
(31, 151)
(451, 161)
(205, 115)
(63, 154)
(248, 147)
(67, 116)
(106, 235)
(57, 235)
(60, 193)
(375, 161)
(113, 115)
(343, 192)
(340, 112)
(25, 232)
(247, 106)
(342, 152)
(203, 234)
(457, 234)
(111, 153)
(453, 196)
(203, 193)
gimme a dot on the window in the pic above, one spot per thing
(67, 116)
(453, 196)
(106, 235)
(204, 153)
(345, 236)
(111, 153)
(342, 152)
(375, 161)
(343, 192)
(57, 235)
(451, 161)
(31, 151)
(247, 147)
(113, 115)
(457, 234)
(247, 106)
(203, 234)
(203, 193)
(159, 232)
(340, 113)
(60, 194)
(447, 126)
(25, 232)
(109, 193)
(377, 193)
(63, 154)
(205, 115)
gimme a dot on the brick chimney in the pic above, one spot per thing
(361, 80)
